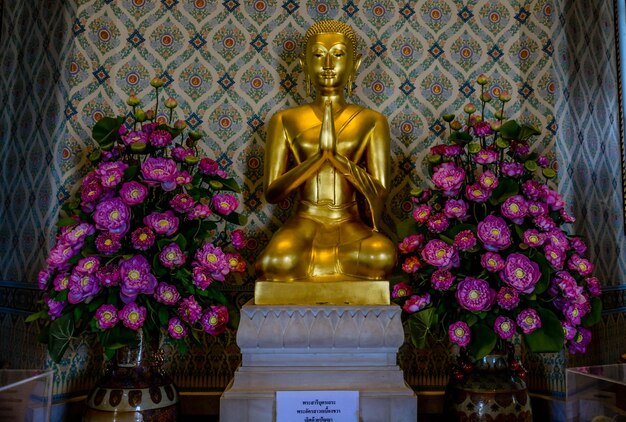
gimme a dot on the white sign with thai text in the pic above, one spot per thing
(317, 406)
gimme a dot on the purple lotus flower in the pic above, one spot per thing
(61, 282)
(224, 203)
(106, 316)
(578, 245)
(520, 147)
(488, 180)
(437, 223)
(149, 127)
(171, 256)
(583, 266)
(112, 215)
(182, 202)
(568, 330)
(183, 178)
(142, 238)
(208, 166)
(159, 170)
(55, 308)
(212, 258)
(189, 310)
(108, 243)
(91, 190)
(512, 169)
(166, 294)
(60, 254)
(422, 213)
(504, 327)
(593, 286)
(235, 262)
(77, 235)
(176, 329)
(492, 262)
(214, 320)
(581, 341)
(136, 136)
(528, 320)
(43, 277)
(411, 243)
(459, 333)
(535, 209)
(82, 286)
(136, 278)
(534, 238)
(160, 138)
(465, 240)
(111, 173)
(441, 279)
(448, 177)
(165, 223)
(455, 208)
(476, 193)
(574, 312)
(558, 239)
(439, 254)
(482, 129)
(201, 277)
(133, 193)
(416, 303)
(179, 153)
(88, 265)
(567, 217)
(132, 316)
(532, 189)
(238, 239)
(544, 222)
(108, 275)
(199, 211)
(514, 208)
(568, 285)
(474, 294)
(486, 156)
(401, 290)
(520, 273)
(555, 256)
(552, 198)
(507, 298)
(452, 150)
(494, 233)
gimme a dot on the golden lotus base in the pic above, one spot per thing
(319, 292)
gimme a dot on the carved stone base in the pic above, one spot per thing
(303, 348)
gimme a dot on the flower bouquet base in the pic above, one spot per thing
(319, 348)
(134, 388)
(488, 390)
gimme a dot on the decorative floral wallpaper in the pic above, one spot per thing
(232, 64)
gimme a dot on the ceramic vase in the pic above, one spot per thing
(134, 388)
(490, 389)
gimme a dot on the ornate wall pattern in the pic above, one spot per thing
(232, 64)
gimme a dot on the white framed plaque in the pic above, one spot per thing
(317, 406)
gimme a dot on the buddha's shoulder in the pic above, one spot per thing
(294, 112)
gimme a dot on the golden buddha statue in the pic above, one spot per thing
(326, 253)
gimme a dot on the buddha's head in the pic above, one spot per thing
(330, 59)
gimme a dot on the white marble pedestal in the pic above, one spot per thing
(301, 348)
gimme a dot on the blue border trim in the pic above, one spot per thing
(18, 285)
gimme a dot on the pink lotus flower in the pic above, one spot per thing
(520, 273)
(160, 138)
(482, 129)
(474, 294)
(416, 303)
(135, 137)
(132, 316)
(411, 243)
(158, 170)
(492, 262)
(133, 193)
(238, 239)
(507, 298)
(143, 238)
(534, 238)
(477, 193)
(224, 203)
(437, 223)
(439, 254)
(208, 166)
(513, 169)
(448, 177)
(55, 308)
(581, 341)
(455, 208)
(165, 223)
(441, 279)
(214, 320)
(581, 265)
(465, 240)
(112, 215)
(401, 290)
(411, 264)
(459, 333)
(514, 208)
(488, 180)
(136, 277)
(182, 202)
(171, 256)
(166, 294)
(111, 173)
(108, 243)
(189, 310)
(422, 213)
(528, 320)
(176, 329)
(106, 316)
(494, 233)
(504, 327)
(486, 156)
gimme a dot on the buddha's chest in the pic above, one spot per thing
(351, 141)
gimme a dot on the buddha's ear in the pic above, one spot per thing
(357, 63)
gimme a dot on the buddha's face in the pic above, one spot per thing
(329, 60)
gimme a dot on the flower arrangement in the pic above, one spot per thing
(485, 255)
(145, 238)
